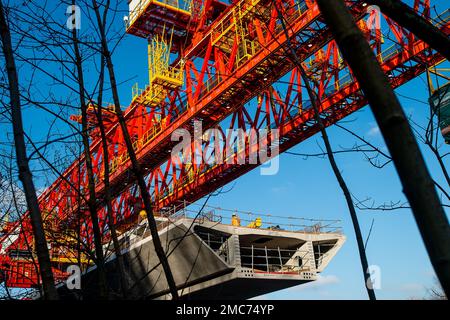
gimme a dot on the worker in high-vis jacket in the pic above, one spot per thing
(257, 223)
(142, 215)
(235, 220)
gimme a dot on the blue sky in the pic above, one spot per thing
(308, 188)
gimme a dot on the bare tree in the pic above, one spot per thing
(137, 170)
(315, 102)
(416, 180)
(436, 292)
(22, 162)
(92, 205)
(106, 170)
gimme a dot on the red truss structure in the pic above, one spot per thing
(230, 68)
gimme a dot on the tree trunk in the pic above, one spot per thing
(91, 203)
(25, 175)
(135, 164)
(406, 17)
(408, 160)
(108, 198)
(343, 185)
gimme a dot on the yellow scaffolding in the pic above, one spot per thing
(162, 76)
(235, 27)
(160, 72)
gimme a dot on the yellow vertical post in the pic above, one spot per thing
(150, 62)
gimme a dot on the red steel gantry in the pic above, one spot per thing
(228, 66)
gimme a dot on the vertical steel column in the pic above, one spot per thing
(281, 260)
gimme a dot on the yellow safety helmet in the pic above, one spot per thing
(143, 214)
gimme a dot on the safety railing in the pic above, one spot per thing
(138, 7)
(268, 221)
(442, 19)
(161, 71)
(439, 21)
(231, 23)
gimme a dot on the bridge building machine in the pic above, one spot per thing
(227, 66)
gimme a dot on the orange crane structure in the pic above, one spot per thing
(226, 66)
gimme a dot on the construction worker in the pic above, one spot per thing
(142, 215)
(258, 222)
(255, 224)
(235, 220)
